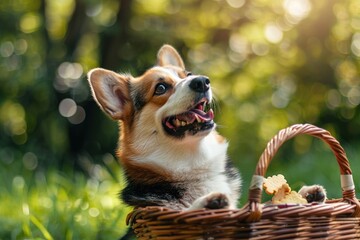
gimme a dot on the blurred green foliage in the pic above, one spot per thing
(271, 63)
(58, 205)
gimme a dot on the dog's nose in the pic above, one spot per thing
(200, 84)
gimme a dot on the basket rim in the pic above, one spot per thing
(151, 214)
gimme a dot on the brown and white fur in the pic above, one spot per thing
(168, 146)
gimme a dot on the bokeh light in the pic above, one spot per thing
(296, 10)
(273, 33)
(271, 64)
(67, 107)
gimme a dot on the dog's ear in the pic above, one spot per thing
(167, 55)
(110, 90)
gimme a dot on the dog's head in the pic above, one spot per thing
(166, 102)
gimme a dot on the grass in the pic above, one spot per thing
(56, 205)
(48, 204)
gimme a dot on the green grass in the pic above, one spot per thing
(56, 205)
(47, 204)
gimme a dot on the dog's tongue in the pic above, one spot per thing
(194, 114)
(203, 115)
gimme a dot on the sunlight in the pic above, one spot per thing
(296, 10)
(30, 161)
(236, 3)
(156, 7)
(6, 49)
(67, 107)
(355, 44)
(333, 99)
(273, 33)
(30, 22)
(13, 115)
(79, 116)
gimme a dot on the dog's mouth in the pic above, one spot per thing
(197, 119)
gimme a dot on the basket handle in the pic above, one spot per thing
(255, 192)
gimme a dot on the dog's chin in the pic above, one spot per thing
(197, 121)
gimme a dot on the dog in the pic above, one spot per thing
(168, 144)
(169, 148)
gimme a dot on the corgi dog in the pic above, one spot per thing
(168, 144)
(169, 148)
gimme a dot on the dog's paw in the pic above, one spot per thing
(217, 201)
(313, 193)
(212, 201)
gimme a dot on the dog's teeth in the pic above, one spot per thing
(177, 122)
(198, 119)
(183, 123)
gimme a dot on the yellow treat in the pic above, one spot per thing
(292, 197)
(281, 193)
(274, 183)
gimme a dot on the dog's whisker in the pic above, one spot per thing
(215, 105)
(221, 126)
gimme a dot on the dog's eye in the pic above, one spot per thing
(188, 74)
(160, 89)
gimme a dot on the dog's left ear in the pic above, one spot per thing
(111, 92)
(167, 55)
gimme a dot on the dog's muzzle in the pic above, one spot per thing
(199, 118)
(200, 84)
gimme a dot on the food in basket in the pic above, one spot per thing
(277, 185)
(282, 197)
(274, 183)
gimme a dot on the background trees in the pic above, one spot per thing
(272, 64)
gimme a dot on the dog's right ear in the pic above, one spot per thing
(168, 55)
(110, 90)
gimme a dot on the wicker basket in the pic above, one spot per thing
(335, 219)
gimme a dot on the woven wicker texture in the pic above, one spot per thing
(335, 219)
